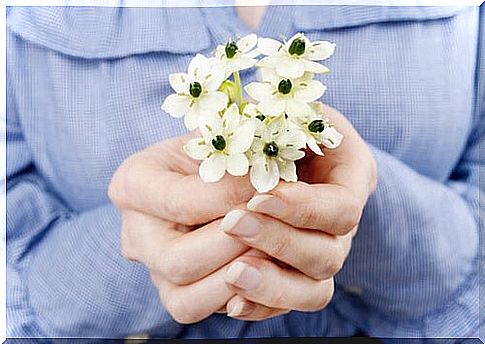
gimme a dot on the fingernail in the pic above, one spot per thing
(266, 204)
(243, 276)
(236, 310)
(241, 223)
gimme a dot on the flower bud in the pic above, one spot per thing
(271, 149)
(231, 49)
(285, 86)
(219, 142)
(195, 89)
(297, 47)
(316, 126)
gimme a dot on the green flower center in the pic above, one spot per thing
(261, 117)
(316, 126)
(297, 47)
(271, 149)
(284, 86)
(219, 142)
(195, 89)
(231, 49)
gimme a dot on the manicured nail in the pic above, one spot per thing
(241, 223)
(237, 310)
(243, 276)
(266, 204)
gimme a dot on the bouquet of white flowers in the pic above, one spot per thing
(265, 137)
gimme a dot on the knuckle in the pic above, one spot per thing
(117, 191)
(308, 216)
(280, 248)
(325, 295)
(334, 266)
(353, 213)
(128, 251)
(175, 268)
(278, 298)
(175, 306)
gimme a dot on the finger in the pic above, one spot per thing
(242, 309)
(194, 302)
(180, 258)
(316, 254)
(147, 183)
(263, 282)
(351, 165)
(326, 207)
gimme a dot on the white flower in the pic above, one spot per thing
(222, 145)
(273, 154)
(196, 91)
(278, 95)
(319, 131)
(252, 111)
(295, 57)
(238, 55)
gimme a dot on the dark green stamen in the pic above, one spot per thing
(316, 126)
(284, 86)
(297, 47)
(195, 89)
(219, 142)
(261, 117)
(231, 49)
(271, 149)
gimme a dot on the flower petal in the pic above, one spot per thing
(269, 46)
(210, 125)
(269, 62)
(264, 174)
(197, 149)
(331, 138)
(179, 82)
(297, 108)
(241, 63)
(291, 154)
(258, 90)
(213, 101)
(237, 164)
(242, 139)
(290, 68)
(213, 168)
(176, 106)
(313, 145)
(320, 50)
(292, 139)
(247, 42)
(287, 170)
(269, 75)
(314, 67)
(191, 119)
(272, 106)
(215, 77)
(231, 119)
(199, 67)
(309, 90)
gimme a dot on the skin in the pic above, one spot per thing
(172, 224)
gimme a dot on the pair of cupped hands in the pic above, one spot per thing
(221, 247)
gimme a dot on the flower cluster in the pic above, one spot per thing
(263, 137)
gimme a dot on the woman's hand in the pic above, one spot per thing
(162, 201)
(307, 225)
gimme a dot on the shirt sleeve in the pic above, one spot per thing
(414, 266)
(65, 271)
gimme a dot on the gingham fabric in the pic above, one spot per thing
(84, 92)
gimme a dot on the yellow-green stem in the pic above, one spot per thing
(239, 94)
